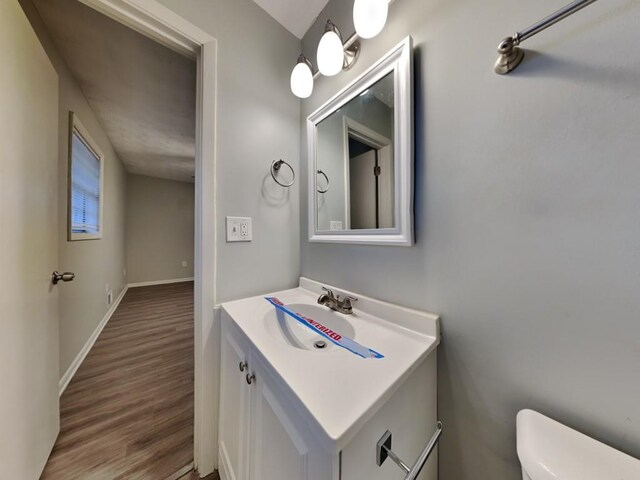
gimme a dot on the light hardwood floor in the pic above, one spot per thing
(128, 412)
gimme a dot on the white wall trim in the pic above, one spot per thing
(224, 470)
(160, 282)
(84, 351)
(155, 21)
(163, 25)
(207, 321)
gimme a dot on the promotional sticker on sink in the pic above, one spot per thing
(323, 330)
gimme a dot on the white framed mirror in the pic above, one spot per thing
(361, 157)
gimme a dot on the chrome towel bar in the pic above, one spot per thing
(510, 55)
(383, 450)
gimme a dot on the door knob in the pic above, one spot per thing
(65, 277)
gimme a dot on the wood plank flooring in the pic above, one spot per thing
(128, 412)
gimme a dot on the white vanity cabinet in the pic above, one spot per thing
(288, 412)
(234, 406)
(262, 436)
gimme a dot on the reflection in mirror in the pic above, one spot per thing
(355, 164)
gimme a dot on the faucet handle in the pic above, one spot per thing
(348, 299)
(329, 292)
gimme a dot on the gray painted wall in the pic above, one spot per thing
(527, 220)
(258, 121)
(96, 263)
(160, 229)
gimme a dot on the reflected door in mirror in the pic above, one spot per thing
(370, 186)
(355, 151)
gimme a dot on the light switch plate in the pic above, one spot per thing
(239, 229)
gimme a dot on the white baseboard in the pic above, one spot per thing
(224, 470)
(182, 473)
(160, 282)
(73, 368)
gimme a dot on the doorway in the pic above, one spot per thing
(200, 46)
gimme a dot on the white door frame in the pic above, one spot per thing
(365, 135)
(161, 24)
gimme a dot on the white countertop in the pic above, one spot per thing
(340, 390)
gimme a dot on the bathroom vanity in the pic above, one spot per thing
(290, 410)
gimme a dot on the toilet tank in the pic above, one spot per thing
(549, 450)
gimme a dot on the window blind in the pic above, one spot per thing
(85, 187)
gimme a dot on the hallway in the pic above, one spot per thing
(128, 412)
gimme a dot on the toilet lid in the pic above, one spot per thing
(549, 450)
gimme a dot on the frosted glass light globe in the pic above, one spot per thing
(301, 80)
(330, 54)
(369, 17)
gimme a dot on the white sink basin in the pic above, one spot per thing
(291, 332)
(340, 389)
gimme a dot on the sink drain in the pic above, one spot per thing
(320, 344)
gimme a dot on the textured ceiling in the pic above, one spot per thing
(295, 15)
(142, 93)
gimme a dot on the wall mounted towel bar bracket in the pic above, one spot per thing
(510, 56)
(383, 451)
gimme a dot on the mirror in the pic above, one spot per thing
(361, 158)
(355, 151)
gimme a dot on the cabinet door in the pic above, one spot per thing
(234, 404)
(281, 447)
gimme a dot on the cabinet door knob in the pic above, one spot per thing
(251, 378)
(242, 366)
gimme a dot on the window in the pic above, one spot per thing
(86, 169)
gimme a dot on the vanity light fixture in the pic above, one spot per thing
(369, 17)
(330, 51)
(302, 78)
(334, 55)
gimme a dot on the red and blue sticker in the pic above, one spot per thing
(320, 329)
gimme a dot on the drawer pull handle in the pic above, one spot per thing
(242, 366)
(251, 378)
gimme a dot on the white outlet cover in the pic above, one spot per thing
(239, 229)
(184, 263)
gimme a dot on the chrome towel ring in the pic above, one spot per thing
(320, 172)
(275, 168)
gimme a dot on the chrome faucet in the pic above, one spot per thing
(334, 302)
